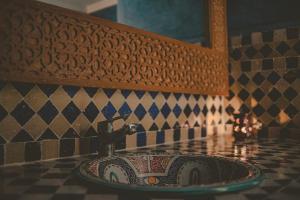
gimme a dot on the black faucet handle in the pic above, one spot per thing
(103, 125)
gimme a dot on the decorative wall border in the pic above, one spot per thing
(46, 44)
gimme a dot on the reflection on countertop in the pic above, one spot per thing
(278, 159)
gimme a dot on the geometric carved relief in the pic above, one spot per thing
(46, 44)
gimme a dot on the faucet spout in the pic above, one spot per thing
(108, 137)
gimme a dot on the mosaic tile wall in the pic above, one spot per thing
(40, 122)
(265, 79)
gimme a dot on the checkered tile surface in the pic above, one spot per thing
(265, 77)
(278, 159)
(37, 117)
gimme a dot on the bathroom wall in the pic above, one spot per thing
(39, 122)
(265, 79)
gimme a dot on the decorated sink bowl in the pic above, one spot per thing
(167, 173)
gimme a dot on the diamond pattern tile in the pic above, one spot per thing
(165, 110)
(290, 93)
(71, 112)
(91, 112)
(274, 95)
(71, 90)
(258, 110)
(22, 136)
(266, 50)
(48, 89)
(47, 135)
(273, 77)
(258, 78)
(243, 94)
(23, 88)
(243, 79)
(250, 52)
(125, 109)
(187, 110)
(153, 111)
(3, 113)
(140, 112)
(282, 48)
(48, 112)
(273, 110)
(291, 110)
(109, 111)
(22, 113)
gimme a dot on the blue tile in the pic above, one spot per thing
(91, 112)
(203, 132)
(109, 111)
(165, 110)
(109, 92)
(160, 137)
(140, 128)
(126, 93)
(177, 110)
(71, 112)
(70, 133)
(176, 125)
(22, 136)
(71, 90)
(153, 127)
(140, 111)
(196, 109)
(153, 94)
(22, 113)
(48, 89)
(176, 135)
(139, 93)
(23, 88)
(125, 109)
(187, 110)
(153, 110)
(91, 91)
(47, 135)
(141, 139)
(191, 133)
(3, 113)
(121, 144)
(48, 112)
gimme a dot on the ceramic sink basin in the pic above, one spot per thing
(167, 173)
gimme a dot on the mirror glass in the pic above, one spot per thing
(186, 20)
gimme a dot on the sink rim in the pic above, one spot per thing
(215, 188)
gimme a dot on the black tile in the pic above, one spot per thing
(71, 112)
(291, 62)
(71, 90)
(273, 110)
(243, 79)
(244, 108)
(47, 134)
(243, 94)
(166, 126)
(246, 66)
(32, 151)
(267, 36)
(48, 112)
(236, 54)
(230, 96)
(229, 109)
(3, 113)
(42, 189)
(90, 132)
(2, 140)
(22, 136)
(267, 64)
(67, 147)
(176, 135)
(48, 89)
(139, 93)
(258, 110)
(187, 110)
(203, 132)
(204, 110)
(213, 109)
(70, 133)
(1, 154)
(22, 113)
(290, 93)
(23, 88)
(231, 80)
(258, 78)
(274, 95)
(273, 77)
(282, 47)
(292, 33)
(258, 94)
(291, 111)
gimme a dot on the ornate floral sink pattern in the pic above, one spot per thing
(188, 174)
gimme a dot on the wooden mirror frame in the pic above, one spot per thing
(41, 43)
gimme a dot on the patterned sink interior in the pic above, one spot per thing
(189, 174)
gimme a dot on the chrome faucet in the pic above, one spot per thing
(108, 136)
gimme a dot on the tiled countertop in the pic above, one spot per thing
(279, 160)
